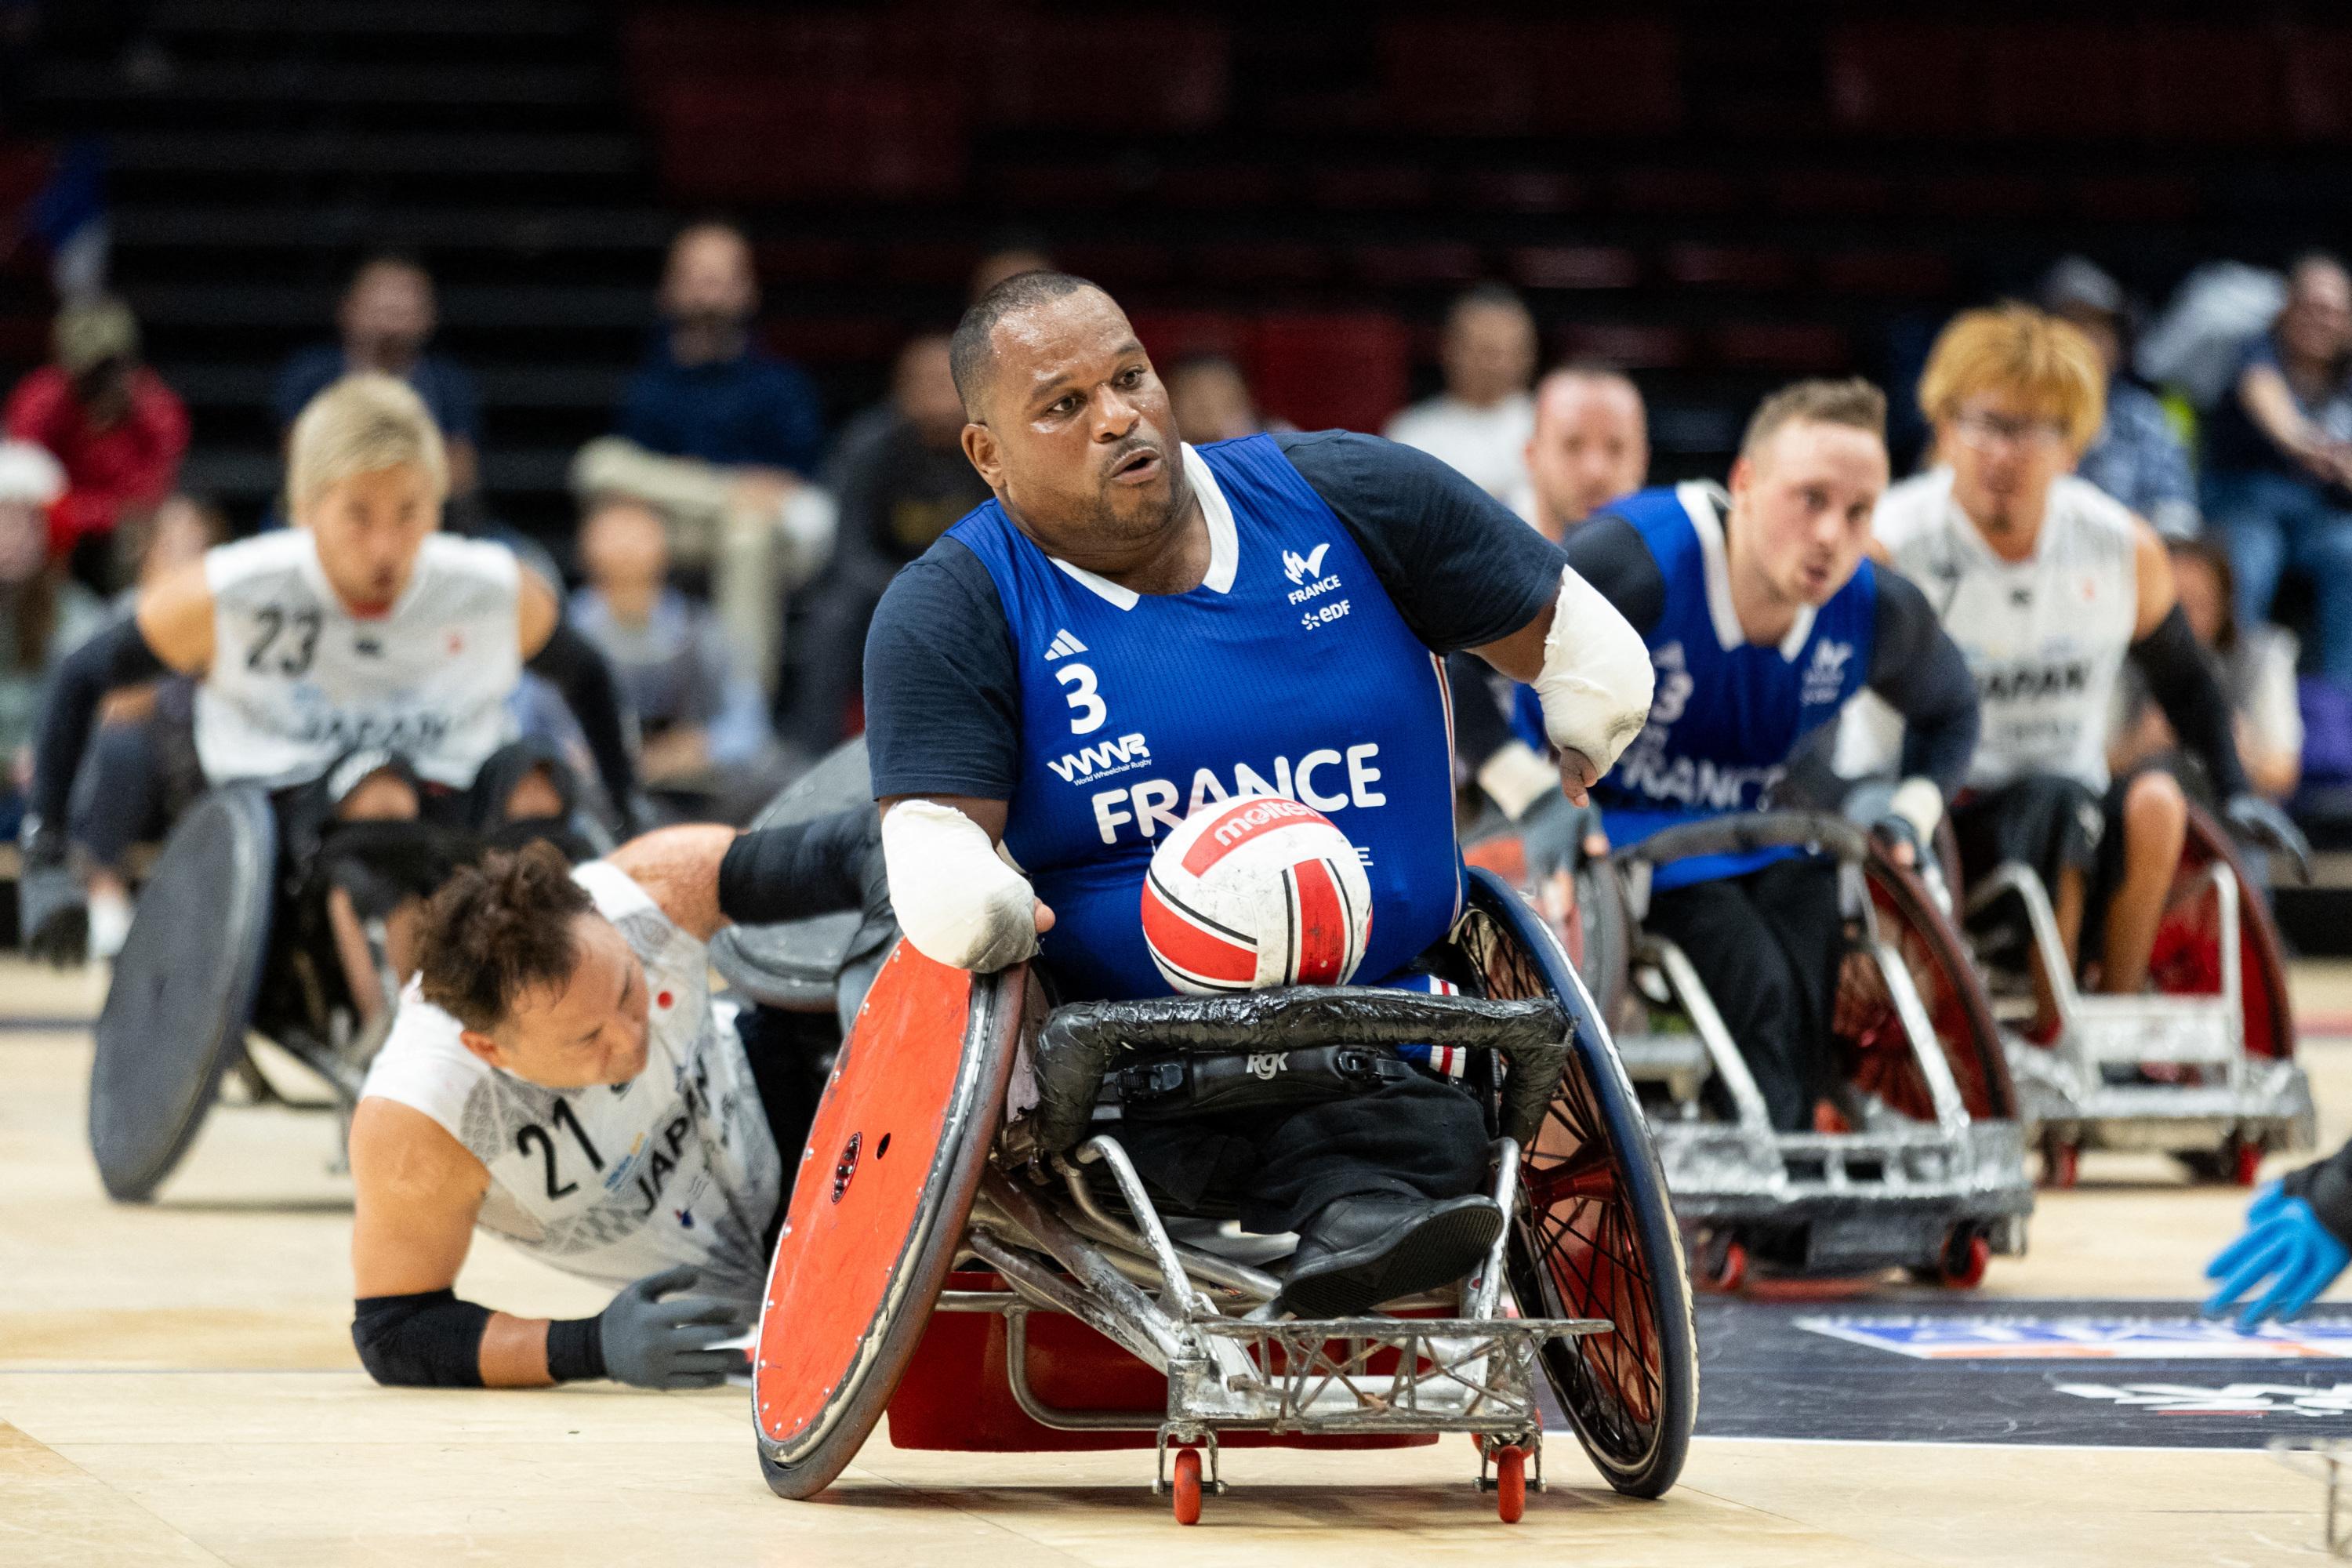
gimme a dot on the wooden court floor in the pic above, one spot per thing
(177, 1385)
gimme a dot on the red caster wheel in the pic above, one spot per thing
(1510, 1484)
(2060, 1162)
(2245, 1163)
(1966, 1256)
(1722, 1266)
(1186, 1486)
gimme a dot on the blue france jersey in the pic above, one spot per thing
(1288, 671)
(1727, 712)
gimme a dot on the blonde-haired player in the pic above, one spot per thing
(357, 664)
(2046, 584)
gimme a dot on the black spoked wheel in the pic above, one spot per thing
(1593, 1235)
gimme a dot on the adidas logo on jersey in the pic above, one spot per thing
(1063, 646)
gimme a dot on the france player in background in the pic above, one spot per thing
(1762, 617)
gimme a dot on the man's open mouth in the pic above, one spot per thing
(1135, 467)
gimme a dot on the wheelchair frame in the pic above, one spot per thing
(2262, 1100)
(1937, 1197)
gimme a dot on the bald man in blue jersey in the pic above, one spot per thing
(1133, 628)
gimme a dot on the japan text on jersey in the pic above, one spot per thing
(1726, 713)
(1288, 671)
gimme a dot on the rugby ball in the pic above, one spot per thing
(1251, 893)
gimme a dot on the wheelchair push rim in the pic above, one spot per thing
(883, 1191)
(1866, 1026)
(1593, 1235)
(2185, 958)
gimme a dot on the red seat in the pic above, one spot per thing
(1757, 267)
(2137, 198)
(1481, 75)
(1574, 266)
(805, 260)
(1217, 187)
(1887, 272)
(1983, 195)
(1114, 263)
(1703, 193)
(1344, 369)
(1793, 347)
(1832, 192)
(835, 339)
(1439, 263)
(1255, 263)
(1907, 78)
(1526, 190)
(1374, 187)
(1168, 335)
(1628, 345)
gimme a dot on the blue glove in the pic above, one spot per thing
(2285, 1243)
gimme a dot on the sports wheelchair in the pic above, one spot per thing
(2203, 1069)
(1929, 1172)
(969, 1250)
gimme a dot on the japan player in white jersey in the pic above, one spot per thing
(560, 1075)
(2047, 584)
(357, 664)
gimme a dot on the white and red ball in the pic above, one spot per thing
(1250, 893)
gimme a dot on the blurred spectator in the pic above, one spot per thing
(1591, 445)
(2256, 666)
(707, 391)
(902, 479)
(1481, 422)
(118, 430)
(1012, 255)
(704, 721)
(383, 323)
(2137, 456)
(44, 614)
(1211, 399)
(2278, 459)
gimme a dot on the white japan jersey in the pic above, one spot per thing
(297, 679)
(2045, 637)
(613, 1183)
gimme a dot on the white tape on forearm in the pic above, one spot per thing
(956, 898)
(1514, 778)
(1919, 802)
(1596, 678)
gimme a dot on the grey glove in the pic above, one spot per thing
(52, 910)
(650, 1342)
(1552, 834)
(2258, 821)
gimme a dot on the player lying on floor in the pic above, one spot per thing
(1763, 617)
(2298, 1237)
(1133, 628)
(358, 664)
(559, 1074)
(2048, 584)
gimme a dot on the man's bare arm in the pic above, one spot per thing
(678, 870)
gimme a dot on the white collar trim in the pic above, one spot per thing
(1701, 499)
(1224, 541)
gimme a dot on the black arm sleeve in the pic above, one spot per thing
(942, 692)
(578, 669)
(1479, 728)
(430, 1339)
(119, 656)
(1922, 674)
(800, 870)
(1460, 567)
(2181, 680)
(1609, 552)
(2327, 1187)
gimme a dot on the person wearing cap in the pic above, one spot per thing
(44, 614)
(113, 426)
(2137, 456)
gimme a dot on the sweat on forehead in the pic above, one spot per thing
(973, 350)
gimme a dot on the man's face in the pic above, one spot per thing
(710, 282)
(626, 548)
(369, 529)
(1590, 445)
(589, 1030)
(388, 313)
(1801, 508)
(2101, 328)
(2317, 322)
(924, 390)
(1076, 434)
(1489, 354)
(2004, 454)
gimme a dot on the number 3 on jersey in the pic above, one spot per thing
(1090, 708)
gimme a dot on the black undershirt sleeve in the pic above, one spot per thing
(1480, 729)
(578, 669)
(1921, 673)
(942, 692)
(800, 870)
(117, 656)
(1461, 568)
(2327, 1187)
(1609, 553)
(2181, 680)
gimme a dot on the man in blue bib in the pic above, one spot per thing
(1762, 617)
(1134, 628)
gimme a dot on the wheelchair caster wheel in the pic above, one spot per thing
(1722, 1266)
(1510, 1484)
(1966, 1256)
(2061, 1164)
(1184, 1484)
(2245, 1163)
